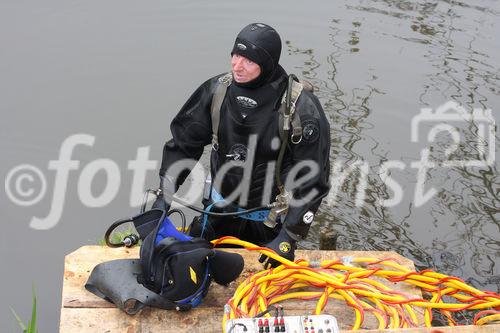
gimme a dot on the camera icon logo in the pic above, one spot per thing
(451, 112)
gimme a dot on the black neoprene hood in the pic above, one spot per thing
(260, 43)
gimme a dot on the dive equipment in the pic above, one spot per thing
(288, 120)
(133, 239)
(204, 211)
(287, 112)
(300, 324)
(358, 282)
(174, 270)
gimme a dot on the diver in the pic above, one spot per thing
(227, 111)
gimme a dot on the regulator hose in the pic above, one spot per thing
(132, 239)
(201, 210)
(286, 132)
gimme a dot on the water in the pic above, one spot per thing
(119, 71)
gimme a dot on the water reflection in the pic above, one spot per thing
(459, 231)
(474, 200)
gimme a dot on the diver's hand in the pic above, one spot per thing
(283, 245)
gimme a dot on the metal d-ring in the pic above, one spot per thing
(295, 142)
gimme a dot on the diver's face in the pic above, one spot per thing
(244, 69)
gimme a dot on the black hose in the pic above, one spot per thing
(112, 228)
(133, 239)
(235, 213)
(201, 210)
(182, 215)
(197, 209)
(284, 137)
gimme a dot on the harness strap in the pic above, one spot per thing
(294, 118)
(217, 99)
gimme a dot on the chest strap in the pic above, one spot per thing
(285, 121)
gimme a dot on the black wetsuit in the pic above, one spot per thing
(246, 111)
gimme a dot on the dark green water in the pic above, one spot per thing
(120, 70)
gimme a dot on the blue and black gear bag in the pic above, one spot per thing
(174, 270)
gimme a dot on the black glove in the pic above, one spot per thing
(283, 245)
(164, 198)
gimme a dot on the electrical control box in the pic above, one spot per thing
(288, 324)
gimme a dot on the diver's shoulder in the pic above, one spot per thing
(211, 83)
(309, 104)
(308, 94)
(214, 80)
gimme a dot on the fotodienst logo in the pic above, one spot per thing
(443, 119)
(27, 184)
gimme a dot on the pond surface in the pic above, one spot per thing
(118, 71)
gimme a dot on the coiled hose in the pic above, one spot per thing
(355, 285)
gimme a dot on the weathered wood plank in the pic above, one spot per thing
(85, 312)
(92, 320)
(112, 320)
(80, 263)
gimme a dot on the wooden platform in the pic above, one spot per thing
(84, 312)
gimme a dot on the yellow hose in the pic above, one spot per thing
(355, 285)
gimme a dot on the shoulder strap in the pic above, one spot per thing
(308, 86)
(294, 119)
(217, 99)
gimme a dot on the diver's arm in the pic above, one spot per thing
(314, 147)
(191, 131)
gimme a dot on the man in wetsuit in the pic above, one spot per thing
(249, 131)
